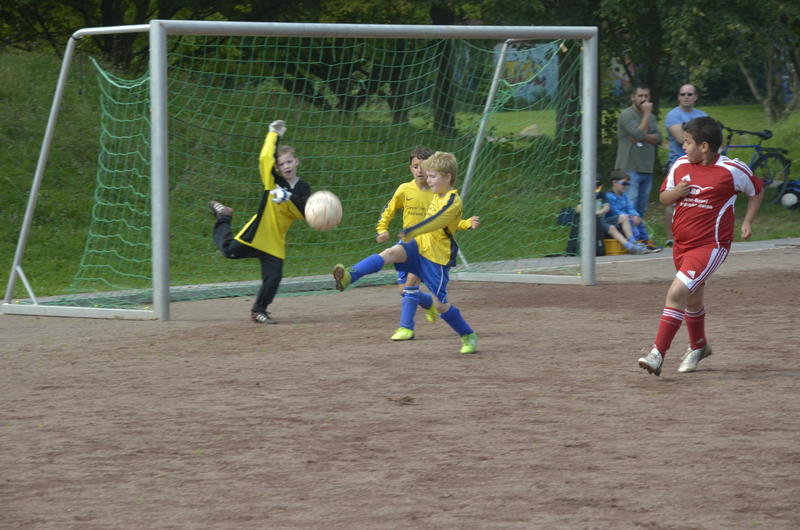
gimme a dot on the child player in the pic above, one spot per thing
(264, 235)
(621, 211)
(703, 186)
(427, 249)
(413, 198)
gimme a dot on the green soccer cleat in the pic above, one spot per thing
(469, 343)
(342, 277)
(431, 314)
(403, 334)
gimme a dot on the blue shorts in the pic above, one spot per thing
(402, 277)
(433, 275)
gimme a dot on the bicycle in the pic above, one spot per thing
(767, 163)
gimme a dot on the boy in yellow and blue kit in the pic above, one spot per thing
(413, 198)
(427, 249)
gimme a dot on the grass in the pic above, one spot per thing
(62, 213)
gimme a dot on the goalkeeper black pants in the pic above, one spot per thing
(271, 266)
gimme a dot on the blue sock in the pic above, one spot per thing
(368, 265)
(409, 307)
(453, 317)
(425, 300)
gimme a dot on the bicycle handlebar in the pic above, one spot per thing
(764, 135)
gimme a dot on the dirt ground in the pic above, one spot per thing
(211, 421)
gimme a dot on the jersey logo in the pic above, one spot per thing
(694, 189)
(691, 274)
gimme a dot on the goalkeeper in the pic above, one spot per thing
(264, 235)
(427, 249)
(413, 198)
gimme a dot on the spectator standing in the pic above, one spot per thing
(673, 123)
(638, 136)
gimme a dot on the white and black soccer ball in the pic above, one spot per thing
(790, 199)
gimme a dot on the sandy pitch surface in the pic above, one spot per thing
(211, 421)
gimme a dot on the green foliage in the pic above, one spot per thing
(753, 43)
(217, 120)
(64, 207)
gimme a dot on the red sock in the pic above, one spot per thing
(668, 326)
(696, 326)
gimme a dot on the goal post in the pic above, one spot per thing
(211, 90)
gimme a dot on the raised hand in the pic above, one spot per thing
(278, 126)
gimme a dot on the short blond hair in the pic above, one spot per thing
(444, 163)
(285, 149)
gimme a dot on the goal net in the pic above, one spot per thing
(512, 108)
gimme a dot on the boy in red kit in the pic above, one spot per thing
(703, 186)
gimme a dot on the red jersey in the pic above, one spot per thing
(705, 216)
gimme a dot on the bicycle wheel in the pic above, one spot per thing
(773, 170)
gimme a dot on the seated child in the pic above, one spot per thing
(605, 230)
(621, 210)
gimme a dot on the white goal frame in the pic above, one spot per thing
(158, 32)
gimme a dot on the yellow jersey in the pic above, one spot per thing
(434, 234)
(266, 230)
(413, 201)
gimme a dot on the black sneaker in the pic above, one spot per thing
(650, 246)
(262, 317)
(220, 210)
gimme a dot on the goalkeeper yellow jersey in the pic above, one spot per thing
(434, 234)
(266, 230)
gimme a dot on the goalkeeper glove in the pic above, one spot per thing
(280, 195)
(278, 126)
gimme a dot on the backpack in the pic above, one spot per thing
(575, 224)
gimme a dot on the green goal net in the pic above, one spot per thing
(355, 108)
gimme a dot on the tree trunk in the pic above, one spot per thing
(568, 116)
(444, 116)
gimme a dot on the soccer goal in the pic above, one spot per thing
(517, 105)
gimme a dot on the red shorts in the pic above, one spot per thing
(695, 265)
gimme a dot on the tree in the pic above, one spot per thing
(634, 36)
(27, 22)
(762, 38)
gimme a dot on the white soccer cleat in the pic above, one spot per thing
(693, 357)
(652, 361)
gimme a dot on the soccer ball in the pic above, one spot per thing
(323, 210)
(790, 199)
